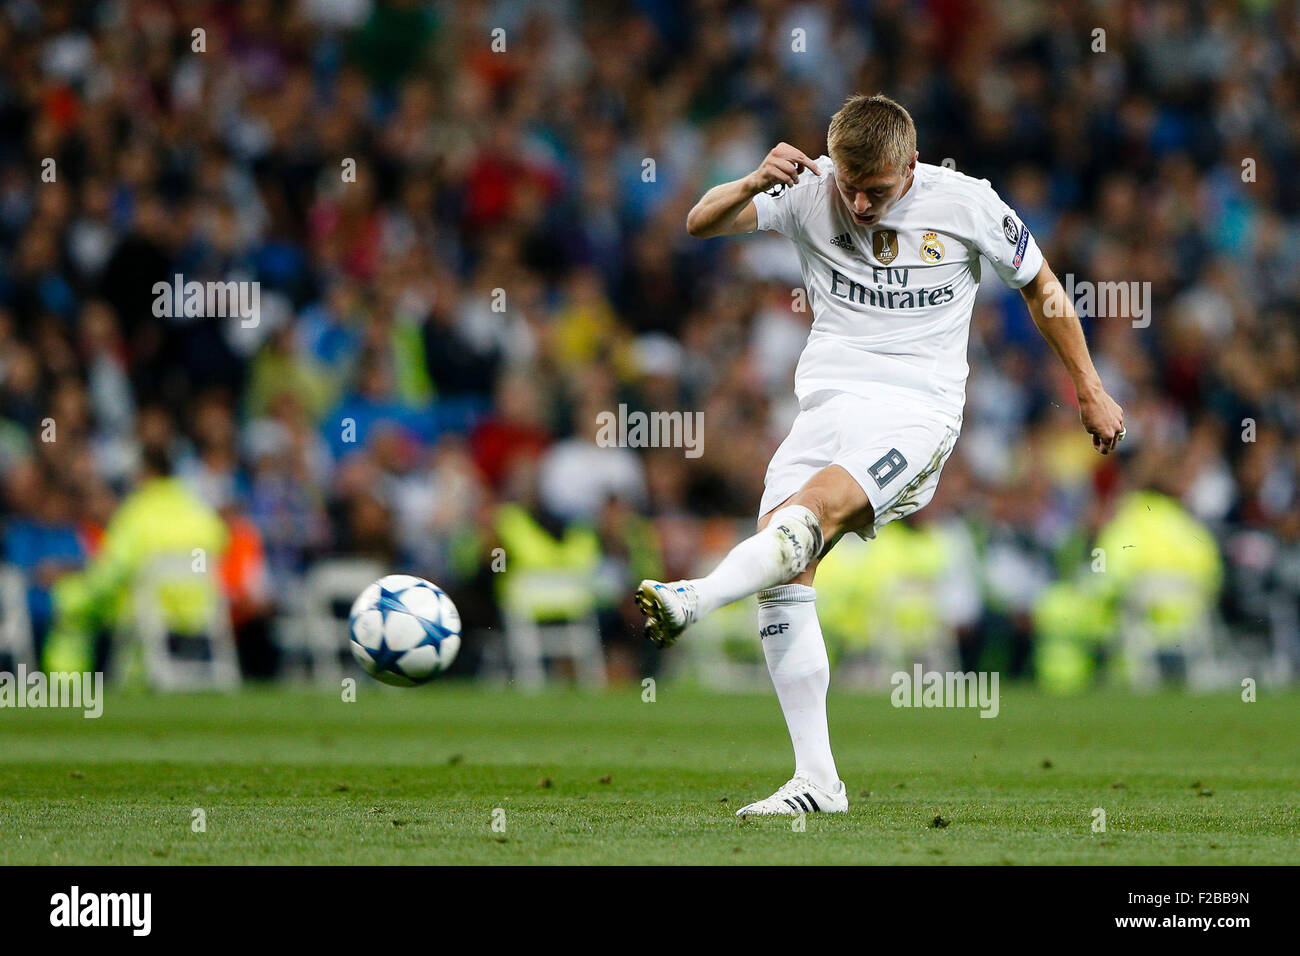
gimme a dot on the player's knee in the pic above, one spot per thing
(806, 576)
(818, 502)
(855, 515)
(835, 513)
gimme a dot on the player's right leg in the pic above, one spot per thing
(779, 552)
(789, 540)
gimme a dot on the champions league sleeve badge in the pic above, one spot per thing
(1020, 247)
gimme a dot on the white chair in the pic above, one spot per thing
(1143, 642)
(16, 642)
(315, 634)
(724, 652)
(905, 637)
(531, 638)
(218, 667)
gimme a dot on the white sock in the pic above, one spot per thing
(776, 554)
(801, 673)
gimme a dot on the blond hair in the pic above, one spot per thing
(870, 135)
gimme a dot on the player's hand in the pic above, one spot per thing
(782, 165)
(1103, 418)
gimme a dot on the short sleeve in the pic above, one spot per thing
(776, 210)
(1006, 242)
(784, 209)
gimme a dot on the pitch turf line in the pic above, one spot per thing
(414, 777)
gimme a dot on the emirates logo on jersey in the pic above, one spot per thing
(884, 245)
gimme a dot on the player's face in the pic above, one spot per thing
(871, 196)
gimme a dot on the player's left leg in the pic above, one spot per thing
(797, 660)
(830, 503)
(801, 675)
(792, 639)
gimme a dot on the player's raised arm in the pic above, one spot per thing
(728, 209)
(1056, 319)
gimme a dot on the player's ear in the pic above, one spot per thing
(911, 164)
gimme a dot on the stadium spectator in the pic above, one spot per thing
(504, 258)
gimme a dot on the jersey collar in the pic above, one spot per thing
(905, 202)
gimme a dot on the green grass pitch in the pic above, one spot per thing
(419, 777)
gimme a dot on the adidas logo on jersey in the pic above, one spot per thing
(843, 241)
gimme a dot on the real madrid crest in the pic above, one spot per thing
(931, 248)
(884, 245)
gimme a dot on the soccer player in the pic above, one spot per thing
(890, 252)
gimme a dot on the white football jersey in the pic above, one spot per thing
(892, 302)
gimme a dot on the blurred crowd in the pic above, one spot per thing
(466, 220)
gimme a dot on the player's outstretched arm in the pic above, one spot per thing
(728, 209)
(1055, 317)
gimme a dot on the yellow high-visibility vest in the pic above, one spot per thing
(546, 578)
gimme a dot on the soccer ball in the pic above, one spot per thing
(405, 630)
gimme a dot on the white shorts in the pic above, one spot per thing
(893, 450)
